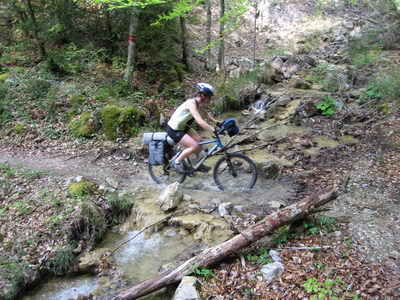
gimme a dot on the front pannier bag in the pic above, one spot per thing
(159, 147)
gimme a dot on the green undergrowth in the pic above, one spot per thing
(42, 222)
(308, 226)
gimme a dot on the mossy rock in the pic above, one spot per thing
(121, 121)
(175, 84)
(82, 188)
(4, 76)
(18, 128)
(84, 126)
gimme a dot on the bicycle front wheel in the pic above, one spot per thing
(164, 174)
(235, 172)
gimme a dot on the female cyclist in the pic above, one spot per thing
(178, 126)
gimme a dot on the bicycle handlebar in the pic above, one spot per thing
(218, 131)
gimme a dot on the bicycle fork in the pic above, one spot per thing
(230, 165)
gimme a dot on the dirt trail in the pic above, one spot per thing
(67, 166)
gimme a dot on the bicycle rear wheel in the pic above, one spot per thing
(235, 172)
(164, 174)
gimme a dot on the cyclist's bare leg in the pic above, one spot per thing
(191, 142)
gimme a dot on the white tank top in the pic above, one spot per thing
(181, 116)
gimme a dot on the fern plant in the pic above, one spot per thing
(327, 107)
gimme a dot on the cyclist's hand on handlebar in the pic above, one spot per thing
(219, 131)
(218, 124)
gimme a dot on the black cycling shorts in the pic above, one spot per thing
(177, 135)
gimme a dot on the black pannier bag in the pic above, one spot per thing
(159, 147)
(157, 152)
(231, 127)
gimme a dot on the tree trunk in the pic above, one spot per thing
(39, 42)
(221, 51)
(131, 44)
(212, 255)
(256, 14)
(184, 42)
(207, 64)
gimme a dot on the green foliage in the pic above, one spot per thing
(327, 107)
(310, 42)
(73, 60)
(33, 174)
(260, 257)
(85, 125)
(121, 121)
(120, 88)
(18, 128)
(388, 84)
(12, 270)
(3, 92)
(62, 262)
(81, 188)
(196, 270)
(120, 205)
(281, 236)
(326, 75)
(231, 93)
(5, 115)
(371, 93)
(37, 88)
(98, 223)
(328, 289)
(322, 223)
(3, 77)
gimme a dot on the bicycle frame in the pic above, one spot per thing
(218, 147)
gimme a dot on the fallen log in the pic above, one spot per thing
(214, 254)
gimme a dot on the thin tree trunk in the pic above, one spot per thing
(39, 42)
(184, 42)
(212, 255)
(131, 44)
(221, 52)
(255, 34)
(207, 64)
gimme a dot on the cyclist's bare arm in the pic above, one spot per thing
(196, 115)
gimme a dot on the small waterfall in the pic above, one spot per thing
(259, 108)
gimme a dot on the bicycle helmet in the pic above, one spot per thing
(205, 89)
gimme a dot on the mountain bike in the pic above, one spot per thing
(231, 171)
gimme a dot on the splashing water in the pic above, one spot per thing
(259, 108)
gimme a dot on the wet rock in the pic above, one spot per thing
(308, 110)
(298, 83)
(283, 101)
(194, 206)
(187, 198)
(271, 271)
(208, 209)
(274, 255)
(268, 170)
(215, 201)
(276, 204)
(187, 289)
(112, 182)
(307, 143)
(171, 197)
(225, 208)
(89, 261)
(204, 227)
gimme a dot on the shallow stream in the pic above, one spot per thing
(143, 256)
